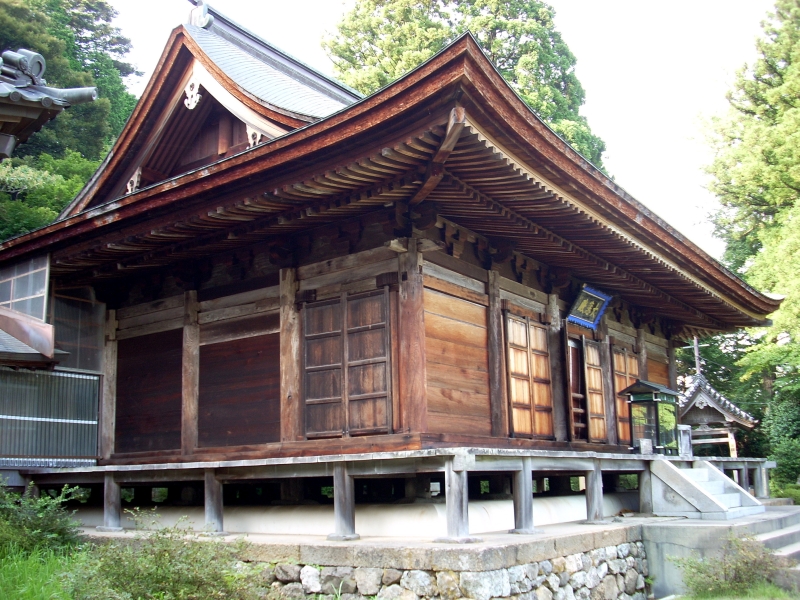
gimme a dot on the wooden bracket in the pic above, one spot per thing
(435, 170)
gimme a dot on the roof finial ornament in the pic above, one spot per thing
(199, 15)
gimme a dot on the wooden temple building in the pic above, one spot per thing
(272, 278)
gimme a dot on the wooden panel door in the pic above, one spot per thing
(626, 372)
(530, 390)
(347, 366)
(367, 374)
(323, 352)
(594, 391)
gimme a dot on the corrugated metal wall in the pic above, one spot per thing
(48, 414)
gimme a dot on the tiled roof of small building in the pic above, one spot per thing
(700, 383)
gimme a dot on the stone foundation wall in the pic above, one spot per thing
(615, 572)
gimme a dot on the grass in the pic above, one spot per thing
(33, 575)
(762, 591)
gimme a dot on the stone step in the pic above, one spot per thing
(743, 511)
(712, 487)
(780, 537)
(729, 500)
(790, 551)
(788, 579)
(700, 474)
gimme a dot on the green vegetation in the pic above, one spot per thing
(81, 49)
(34, 575)
(762, 591)
(380, 40)
(744, 565)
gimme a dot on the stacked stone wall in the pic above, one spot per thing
(614, 572)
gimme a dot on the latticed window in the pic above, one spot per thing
(347, 379)
(587, 413)
(626, 372)
(529, 382)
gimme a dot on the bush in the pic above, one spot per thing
(164, 564)
(28, 523)
(745, 563)
(790, 490)
(787, 454)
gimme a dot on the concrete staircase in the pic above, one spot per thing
(701, 492)
(784, 540)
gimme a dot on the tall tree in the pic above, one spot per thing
(756, 175)
(379, 40)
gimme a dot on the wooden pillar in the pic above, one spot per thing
(497, 359)
(112, 505)
(607, 365)
(523, 499)
(190, 374)
(761, 483)
(641, 347)
(594, 495)
(344, 505)
(646, 491)
(291, 491)
(457, 503)
(673, 368)
(411, 342)
(292, 428)
(555, 343)
(213, 502)
(108, 402)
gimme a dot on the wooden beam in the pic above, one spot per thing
(213, 502)
(190, 374)
(28, 330)
(112, 505)
(497, 363)
(435, 170)
(108, 402)
(412, 374)
(291, 401)
(344, 505)
(641, 348)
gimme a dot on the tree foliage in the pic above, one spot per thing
(380, 40)
(756, 175)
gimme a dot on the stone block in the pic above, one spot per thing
(583, 593)
(542, 593)
(395, 592)
(610, 537)
(532, 570)
(293, 591)
(287, 573)
(634, 551)
(267, 574)
(630, 581)
(391, 557)
(617, 565)
(573, 544)
(645, 570)
(564, 593)
(564, 577)
(309, 577)
(473, 559)
(534, 552)
(586, 562)
(553, 581)
(329, 555)
(602, 570)
(611, 552)
(592, 578)
(573, 563)
(559, 564)
(598, 555)
(422, 583)
(391, 576)
(623, 596)
(578, 580)
(485, 584)
(642, 553)
(620, 582)
(610, 588)
(518, 580)
(271, 553)
(640, 582)
(368, 580)
(447, 584)
(546, 567)
(623, 550)
(337, 580)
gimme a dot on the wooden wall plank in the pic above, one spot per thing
(108, 403)
(342, 263)
(151, 317)
(658, 372)
(252, 296)
(149, 394)
(243, 327)
(149, 307)
(239, 392)
(446, 287)
(497, 359)
(170, 325)
(190, 374)
(355, 274)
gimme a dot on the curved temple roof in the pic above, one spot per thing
(451, 138)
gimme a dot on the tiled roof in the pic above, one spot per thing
(700, 383)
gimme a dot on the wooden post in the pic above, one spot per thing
(108, 403)
(112, 505)
(497, 362)
(190, 374)
(292, 427)
(761, 483)
(673, 368)
(457, 502)
(411, 342)
(594, 495)
(523, 499)
(555, 343)
(645, 491)
(213, 503)
(744, 479)
(291, 491)
(641, 347)
(609, 398)
(344, 505)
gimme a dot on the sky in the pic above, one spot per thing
(655, 73)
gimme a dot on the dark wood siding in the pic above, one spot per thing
(149, 392)
(658, 372)
(456, 348)
(239, 399)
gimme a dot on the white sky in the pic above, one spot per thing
(654, 72)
